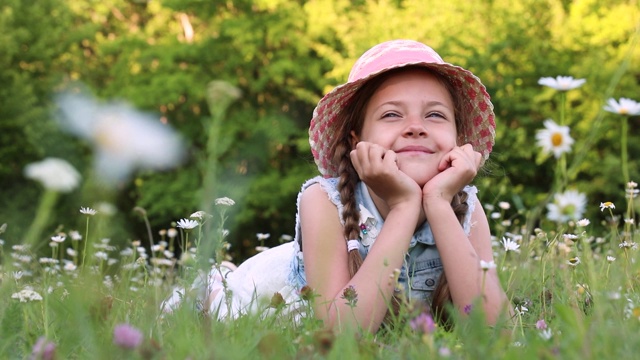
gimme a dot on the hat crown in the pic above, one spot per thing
(392, 54)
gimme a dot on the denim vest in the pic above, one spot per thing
(422, 266)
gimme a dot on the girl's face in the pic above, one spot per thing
(412, 113)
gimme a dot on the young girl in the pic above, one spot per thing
(393, 212)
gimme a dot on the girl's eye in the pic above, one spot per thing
(436, 114)
(390, 115)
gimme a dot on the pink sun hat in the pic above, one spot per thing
(392, 55)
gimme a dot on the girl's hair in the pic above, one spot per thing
(351, 118)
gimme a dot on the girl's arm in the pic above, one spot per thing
(461, 257)
(325, 259)
(460, 254)
(325, 249)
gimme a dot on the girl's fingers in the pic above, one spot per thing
(461, 156)
(390, 159)
(370, 158)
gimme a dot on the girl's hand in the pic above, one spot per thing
(456, 169)
(378, 168)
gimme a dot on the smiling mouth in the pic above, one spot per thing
(415, 149)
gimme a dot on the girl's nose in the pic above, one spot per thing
(415, 128)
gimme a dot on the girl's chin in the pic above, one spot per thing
(421, 179)
(420, 173)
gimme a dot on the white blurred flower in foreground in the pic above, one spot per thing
(124, 139)
(561, 83)
(487, 265)
(623, 107)
(569, 205)
(54, 174)
(554, 138)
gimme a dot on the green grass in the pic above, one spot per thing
(592, 308)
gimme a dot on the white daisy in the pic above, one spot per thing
(486, 265)
(607, 205)
(569, 205)
(561, 83)
(623, 107)
(521, 309)
(58, 238)
(262, 236)
(504, 205)
(510, 245)
(54, 174)
(554, 138)
(124, 139)
(186, 224)
(88, 211)
(75, 235)
(574, 261)
(583, 222)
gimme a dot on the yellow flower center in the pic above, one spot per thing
(556, 139)
(623, 111)
(568, 210)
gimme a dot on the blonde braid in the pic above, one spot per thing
(350, 214)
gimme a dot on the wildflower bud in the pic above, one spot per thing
(350, 295)
(127, 336)
(306, 293)
(43, 349)
(423, 323)
(277, 301)
(541, 324)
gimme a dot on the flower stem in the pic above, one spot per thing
(623, 149)
(43, 212)
(484, 277)
(86, 242)
(563, 101)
